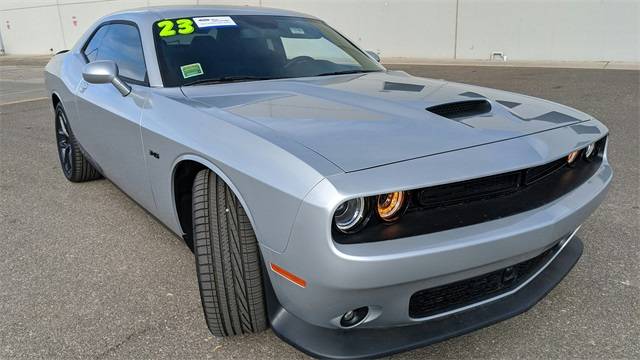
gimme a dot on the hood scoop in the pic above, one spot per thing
(461, 109)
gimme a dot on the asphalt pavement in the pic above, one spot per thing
(86, 273)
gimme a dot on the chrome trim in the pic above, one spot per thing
(563, 243)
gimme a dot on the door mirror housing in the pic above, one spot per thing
(373, 55)
(105, 72)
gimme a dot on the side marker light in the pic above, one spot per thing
(289, 276)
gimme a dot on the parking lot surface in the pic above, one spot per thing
(86, 273)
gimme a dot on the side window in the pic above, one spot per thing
(91, 49)
(121, 43)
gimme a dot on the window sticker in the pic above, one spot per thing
(191, 70)
(166, 28)
(214, 21)
(297, 31)
(185, 27)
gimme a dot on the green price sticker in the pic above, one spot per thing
(191, 70)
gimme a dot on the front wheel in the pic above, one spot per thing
(75, 166)
(227, 259)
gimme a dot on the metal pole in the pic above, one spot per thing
(455, 33)
(1, 44)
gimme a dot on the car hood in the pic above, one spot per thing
(366, 120)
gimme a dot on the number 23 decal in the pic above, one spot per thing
(185, 26)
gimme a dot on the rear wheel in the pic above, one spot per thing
(227, 259)
(74, 165)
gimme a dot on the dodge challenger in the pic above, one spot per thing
(355, 210)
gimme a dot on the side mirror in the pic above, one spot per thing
(373, 55)
(105, 72)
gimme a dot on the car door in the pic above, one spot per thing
(109, 123)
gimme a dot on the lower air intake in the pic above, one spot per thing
(449, 297)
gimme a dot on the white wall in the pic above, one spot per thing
(392, 28)
(33, 30)
(584, 30)
(579, 30)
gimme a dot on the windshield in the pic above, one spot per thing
(252, 47)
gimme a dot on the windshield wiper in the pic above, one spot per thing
(229, 79)
(240, 78)
(347, 72)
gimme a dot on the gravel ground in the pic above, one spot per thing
(86, 273)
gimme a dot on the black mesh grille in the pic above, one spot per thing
(461, 109)
(448, 297)
(465, 191)
(536, 173)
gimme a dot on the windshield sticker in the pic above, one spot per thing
(166, 28)
(297, 31)
(185, 27)
(214, 21)
(191, 70)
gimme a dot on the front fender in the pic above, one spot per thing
(264, 174)
(211, 166)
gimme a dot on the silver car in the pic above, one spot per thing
(355, 210)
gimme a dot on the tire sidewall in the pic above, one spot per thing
(59, 111)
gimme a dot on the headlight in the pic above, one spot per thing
(351, 215)
(390, 206)
(590, 151)
(571, 158)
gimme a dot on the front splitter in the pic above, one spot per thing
(356, 343)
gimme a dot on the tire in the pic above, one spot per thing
(227, 260)
(75, 166)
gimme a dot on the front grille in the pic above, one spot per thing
(539, 172)
(452, 296)
(483, 188)
(464, 191)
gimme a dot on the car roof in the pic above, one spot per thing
(152, 14)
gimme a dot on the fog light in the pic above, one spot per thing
(354, 317)
(571, 158)
(348, 316)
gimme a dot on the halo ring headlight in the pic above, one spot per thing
(571, 158)
(351, 215)
(590, 151)
(390, 206)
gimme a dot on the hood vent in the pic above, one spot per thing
(461, 109)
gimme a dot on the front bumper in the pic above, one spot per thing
(383, 275)
(324, 342)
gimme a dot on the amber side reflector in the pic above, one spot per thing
(289, 276)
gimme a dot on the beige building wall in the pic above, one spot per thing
(577, 30)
